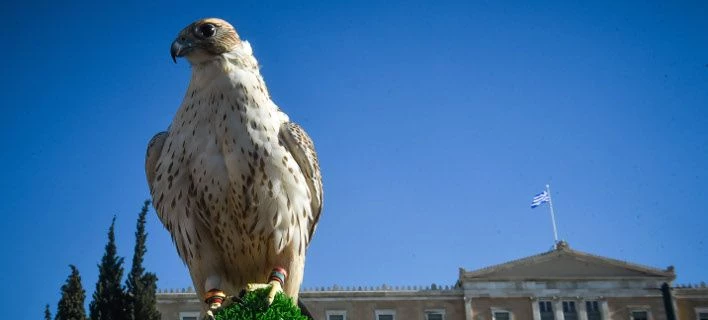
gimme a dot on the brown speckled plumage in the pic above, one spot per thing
(236, 184)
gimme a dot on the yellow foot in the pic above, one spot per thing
(274, 285)
(276, 281)
(209, 315)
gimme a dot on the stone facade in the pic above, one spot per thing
(403, 303)
(561, 284)
(692, 302)
(178, 305)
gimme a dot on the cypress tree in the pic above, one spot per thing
(142, 285)
(109, 300)
(47, 313)
(71, 304)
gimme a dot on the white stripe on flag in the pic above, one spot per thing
(540, 199)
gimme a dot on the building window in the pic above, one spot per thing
(385, 314)
(546, 309)
(702, 313)
(435, 315)
(569, 312)
(189, 316)
(593, 310)
(640, 315)
(501, 315)
(336, 315)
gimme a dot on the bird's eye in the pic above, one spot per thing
(206, 30)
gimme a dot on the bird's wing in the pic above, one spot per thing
(153, 153)
(298, 143)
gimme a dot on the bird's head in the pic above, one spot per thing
(204, 40)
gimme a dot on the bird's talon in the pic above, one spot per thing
(274, 288)
(256, 286)
(209, 315)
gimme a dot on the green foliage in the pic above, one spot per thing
(71, 304)
(254, 306)
(109, 302)
(47, 313)
(141, 285)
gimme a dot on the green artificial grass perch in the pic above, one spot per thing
(254, 306)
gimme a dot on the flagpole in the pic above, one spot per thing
(553, 216)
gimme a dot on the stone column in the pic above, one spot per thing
(468, 308)
(604, 310)
(558, 309)
(535, 309)
(582, 311)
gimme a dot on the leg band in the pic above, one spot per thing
(214, 296)
(278, 274)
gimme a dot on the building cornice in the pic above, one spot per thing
(487, 273)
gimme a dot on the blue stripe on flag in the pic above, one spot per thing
(540, 199)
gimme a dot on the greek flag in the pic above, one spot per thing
(539, 199)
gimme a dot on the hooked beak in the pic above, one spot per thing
(179, 48)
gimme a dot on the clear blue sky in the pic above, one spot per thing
(435, 125)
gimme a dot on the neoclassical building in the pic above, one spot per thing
(561, 284)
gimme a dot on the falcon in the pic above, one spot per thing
(234, 181)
